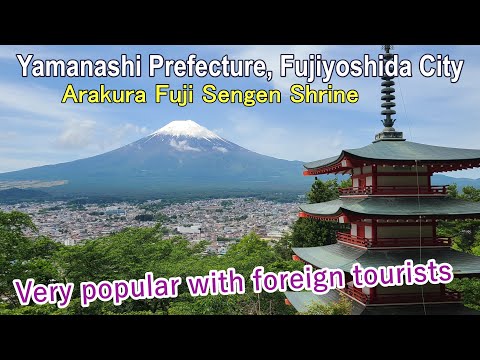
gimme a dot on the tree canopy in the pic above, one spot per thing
(128, 255)
(466, 238)
(310, 232)
(465, 233)
(341, 307)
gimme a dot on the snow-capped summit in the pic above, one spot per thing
(186, 128)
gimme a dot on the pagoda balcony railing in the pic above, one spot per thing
(352, 239)
(356, 293)
(393, 242)
(367, 190)
(447, 296)
(394, 190)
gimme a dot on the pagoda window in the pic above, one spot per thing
(367, 169)
(353, 230)
(368, 232)
(408, 235)
(355, 183)
(369, 181)
(401, 180)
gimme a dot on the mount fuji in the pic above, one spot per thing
(180, 157)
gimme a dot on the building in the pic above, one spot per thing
(193, 229)
(114, 210)
(393, 211)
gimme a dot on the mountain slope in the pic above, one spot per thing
(180, 156)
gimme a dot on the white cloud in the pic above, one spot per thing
(118, 135)
(80, 134)
(182, 146)
(257, 134)
(221, 149)
(36, 114)
(8, 135)
(77, 134)
(34, 99)
(45, 103)
(219, 131)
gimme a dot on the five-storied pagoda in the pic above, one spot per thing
(393, 211)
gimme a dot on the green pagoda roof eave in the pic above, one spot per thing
(340, 256)
(441, 207)
(400, 151)
(324, 162)
(301, 300)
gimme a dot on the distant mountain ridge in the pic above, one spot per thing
(440, 179)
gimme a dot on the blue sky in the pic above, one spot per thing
(37, 129)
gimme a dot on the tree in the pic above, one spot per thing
(346, 183)
(128, 255)
(323, 191)
(470, 289)
(144, 217)
(22, 257)
(465, 233)
(311, 232)
(452, 190)
(470, 193)
(466, 238)
(251, 251)
(162, 218)
(283, 247)
(341, 307)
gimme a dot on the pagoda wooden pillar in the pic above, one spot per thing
(429, 181)
(373, 295)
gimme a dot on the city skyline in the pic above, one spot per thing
(37, 129)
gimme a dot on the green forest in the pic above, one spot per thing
(132, 252)
(128, 255)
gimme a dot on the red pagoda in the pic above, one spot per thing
(393, 211)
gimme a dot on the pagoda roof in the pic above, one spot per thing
(342, 257)
(443, 207)
(301, 300)
(400, 151)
